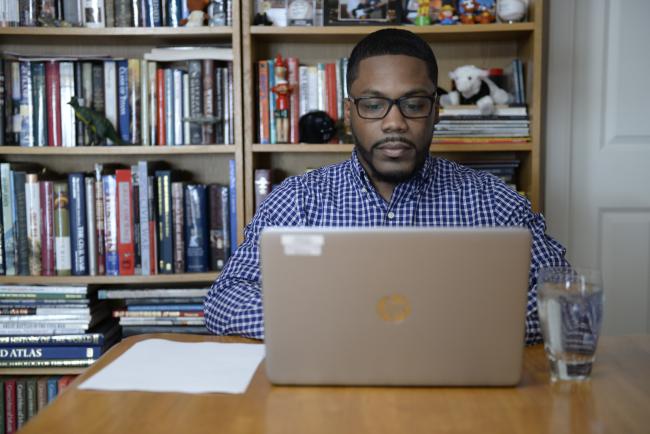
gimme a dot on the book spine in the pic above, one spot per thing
(39, 104)
(10, 405)
(173, 12)
(52, 388)
(68, 123)
(178, 215)
(87, 94)
(98, 88)
(231, 104)
(65, 363)
(16, 116)
(170, 135)
(123, 107)
(33, 212)
(110, 13)
(26, 105)
(177, 105)
(30, 384)
(3, 97)
(218, 106)
(62, 247)
(134, 100)
(143, 206)
(91, 219)
(28, 11)
(136, 10)
(123, 13)
(216, 235)
(53, 352)
(110, 225)
(153, 234)
(156, 13)
(22, 245)
(80, 128)
(78, 229)
(6, 179)
(72, 12)
(208, 101)
(233, 206)
(125, 247)
(145, 137)
(196, 228)
(272, 131)
(93, 14)
(196, 101)
(99, 222)
(110, 94)
(53, 90)
(294, 99)
(47, 228)
(330, 83)
(153, 101)
(165, 240)
(41, 393)
(161, 104)
(263, 89)
(2, 401)
(52, 340)
(185, 115)
(21, 402)
(135, 217)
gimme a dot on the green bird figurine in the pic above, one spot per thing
(98, 126)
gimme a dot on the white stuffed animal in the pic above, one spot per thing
(474, 87)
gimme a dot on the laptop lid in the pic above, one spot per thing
(395, 306)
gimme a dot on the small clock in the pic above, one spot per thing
(300, 12)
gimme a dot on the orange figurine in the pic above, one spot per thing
(282, 90)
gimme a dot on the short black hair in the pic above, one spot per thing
(391, 41)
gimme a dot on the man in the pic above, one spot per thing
(390, 180)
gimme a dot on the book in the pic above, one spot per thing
(20, 219)
(100, 240)
(6, 179)
(123, 13)
(91, 223)
(26, 105)
(110, 94)
(21, 401)
(134, 100)
(68, 120)
(41, 393)
(65, 363)
(217, 228)
(110, 225)
(53, 100)
(72, 12)
(264, 95)
(176, 54)
(52, 352)
(46, 190)
(33, 214)
(78, 226)
(30, 388)
(147, 222)
(80, 128)
(125, 240)
(195, 101)
(123, 107)
(473, 110)
(39, 105)
(10, 405)
(93, 14)
(168, 293)
(196, 228)
(232, 191)
(164, 217)
(208, 129)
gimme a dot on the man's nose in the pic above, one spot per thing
(394, 120)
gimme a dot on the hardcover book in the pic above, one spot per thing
(20, 218)
(125, 243)
(62, 247)
(47, 228)
(196, 228)
(110, 225)
(179, 222)
(33, 213)
(78, 227)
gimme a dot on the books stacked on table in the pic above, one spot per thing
(465, 124)
(502, 168)
(159, 310)
(21, 398)
(53, 326)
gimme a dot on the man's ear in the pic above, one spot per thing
(346, 111)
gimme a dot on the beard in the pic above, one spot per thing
(393, 176)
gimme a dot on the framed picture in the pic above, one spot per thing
(362, 12)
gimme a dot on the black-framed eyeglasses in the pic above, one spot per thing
(411, 107)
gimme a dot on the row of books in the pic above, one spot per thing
(21, 398)
(108, 13)
(123, 221)
(158, 310)
(312, 87)
(148, 102)
(506, 169)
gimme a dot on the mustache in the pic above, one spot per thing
(393, 139)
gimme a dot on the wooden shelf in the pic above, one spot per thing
(314, 148)
(153, 32)
(110, 280)
(118, 150)
(431, 33)
(41, 371)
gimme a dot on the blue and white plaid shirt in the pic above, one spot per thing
(442, 193)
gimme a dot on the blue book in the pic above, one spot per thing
(233, 207)
(272, 133)
(196, 228)
(157, 307)
(78, 230)
(123, 106)
(174, 12)
(49, 352)
(52, 388)
(110, 225)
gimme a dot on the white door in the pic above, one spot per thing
(598, 148)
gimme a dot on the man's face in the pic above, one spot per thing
(391, 149)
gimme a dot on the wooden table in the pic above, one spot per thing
(616, 400)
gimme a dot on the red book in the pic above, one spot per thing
(10, 406)
(53, 97)
(332, 99)
(125, 245)
(47, 228)
(294, 82)
(160, 113)
(263, 91)
(63, 383)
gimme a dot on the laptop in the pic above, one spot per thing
(395, 306)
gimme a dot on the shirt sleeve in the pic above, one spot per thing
(233, 305)
(545, 252)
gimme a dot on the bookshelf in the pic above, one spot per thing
(484, 45)
(207, 163)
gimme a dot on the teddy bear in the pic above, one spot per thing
(473, 86)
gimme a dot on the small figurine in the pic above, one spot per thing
(468, 9)
(422, 18)
(447, 15)
(282, 89)
(485, 15)
(197, 13)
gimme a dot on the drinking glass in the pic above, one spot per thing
(570, 303)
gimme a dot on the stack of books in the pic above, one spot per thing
(163, 310)
(504, 169)
(465, 124)
(53, 326)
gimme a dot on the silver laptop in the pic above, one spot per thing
(395, 306)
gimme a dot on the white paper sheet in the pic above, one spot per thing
(159, 365)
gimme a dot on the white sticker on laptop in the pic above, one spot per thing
(303, 245)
